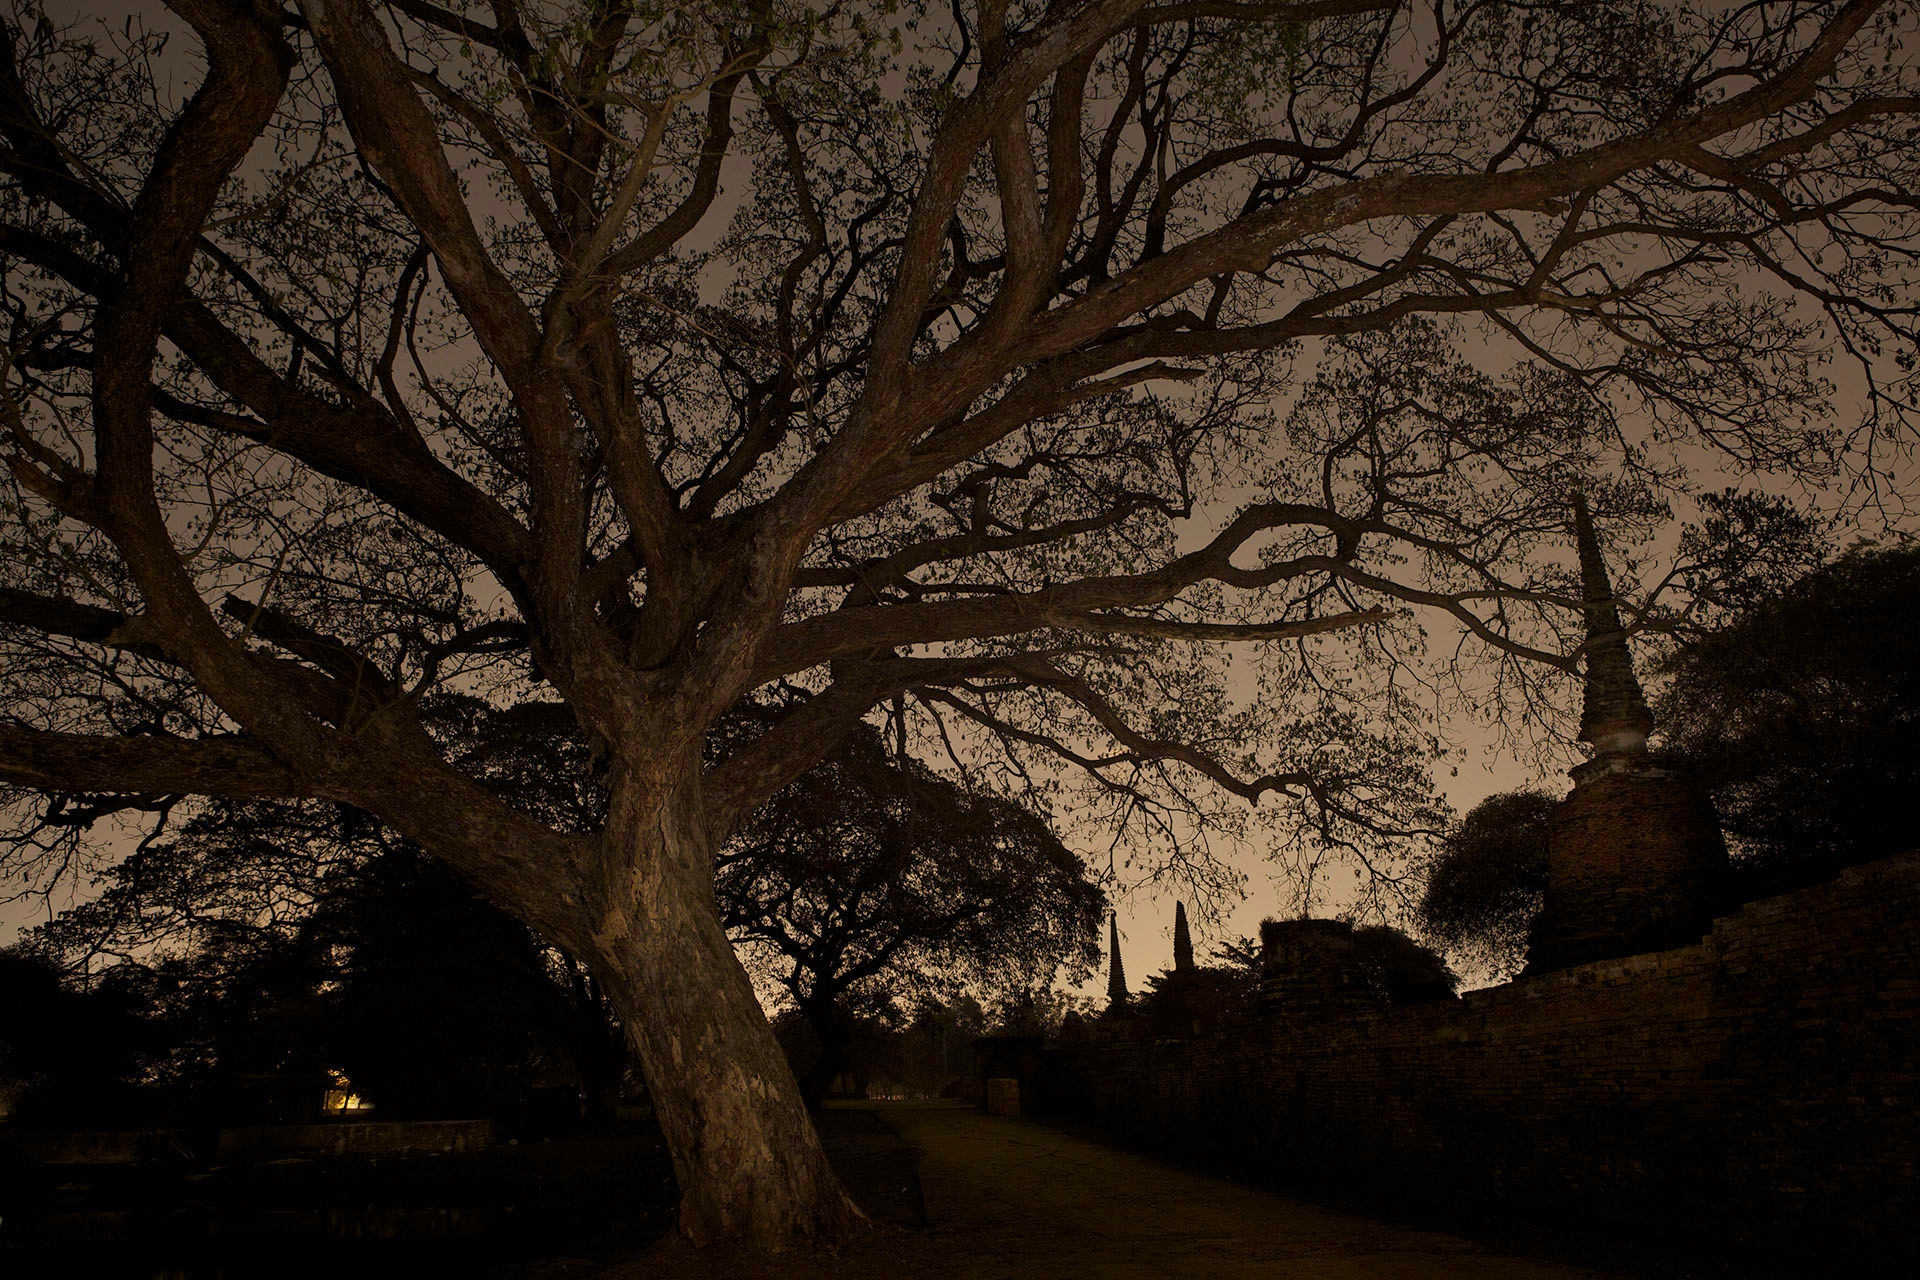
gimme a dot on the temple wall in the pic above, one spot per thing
(1761, 1086)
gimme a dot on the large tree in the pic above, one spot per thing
(658, 354)
(868, 876)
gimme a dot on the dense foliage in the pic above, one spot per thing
(394, 977)
(872, 879)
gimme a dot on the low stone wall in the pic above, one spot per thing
(1760, 1087)
(354, 1137)
(90, 1147)
(358, 1137)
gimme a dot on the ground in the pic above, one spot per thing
(955, 1194)
(290, 1218)
(1010, 1198)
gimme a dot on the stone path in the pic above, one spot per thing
(1014, 1200)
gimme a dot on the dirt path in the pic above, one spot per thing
(1027, 1200)
(1009, 1199)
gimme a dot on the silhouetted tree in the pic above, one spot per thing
(1389, 966)
(1035, 1010)
(386, 965)
(416, 348)
(872, 876)
(81, 1052)
(1800, 716)
(1173, 1000)
(285, 939)
(443, 1005)
(250, 1023)
(1395, 969)
(1487, 879)
(936, 1051)
(862, 1037)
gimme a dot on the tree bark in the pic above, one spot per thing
(749, 1162)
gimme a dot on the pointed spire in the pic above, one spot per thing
(1614, 717)
(1182, 940)
(1116, 975)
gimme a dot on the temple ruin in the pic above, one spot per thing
(1635, 858)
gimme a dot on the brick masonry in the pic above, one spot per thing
(1634, 857)
(1760, 1087)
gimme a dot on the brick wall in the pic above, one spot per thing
(1760, 1087)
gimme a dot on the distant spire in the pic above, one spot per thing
(1116, 975)
(1614, 717)
(1182, 940)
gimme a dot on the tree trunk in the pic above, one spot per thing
(831, 1032)
(748, 1160)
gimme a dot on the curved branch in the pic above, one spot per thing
(1249, 242)
(864, 629)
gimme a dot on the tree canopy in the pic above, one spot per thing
(263, 945)
(67, 1052)
(1801, 717)
(1016, 374)
(1487, 879)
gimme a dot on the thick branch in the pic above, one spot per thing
(247, 69)
(226, 766)
(352, 669)
(91, 623)
(799, 645)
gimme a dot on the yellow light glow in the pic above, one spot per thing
(341, 1097)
